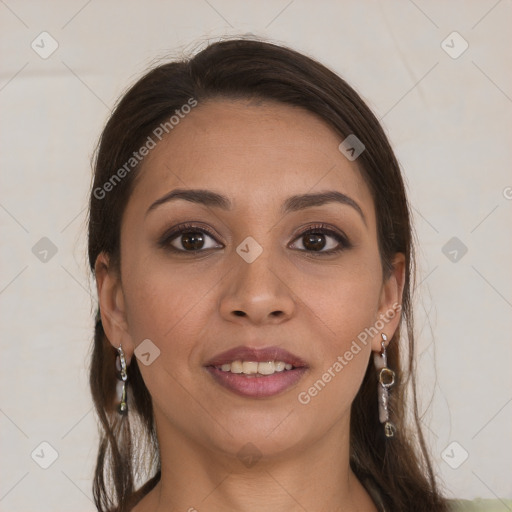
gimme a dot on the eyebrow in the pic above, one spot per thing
(292, 204)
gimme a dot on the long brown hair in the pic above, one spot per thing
(400, 466)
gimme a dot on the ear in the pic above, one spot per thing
(112, 305)
(390, 302)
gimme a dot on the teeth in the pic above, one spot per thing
(235, 367)
(249, 367)
(267, 368)
(255, 368)
(280, 366)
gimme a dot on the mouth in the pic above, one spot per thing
(256, 373)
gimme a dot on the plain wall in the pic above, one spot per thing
(449, 120)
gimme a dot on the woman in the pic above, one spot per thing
(251, 241)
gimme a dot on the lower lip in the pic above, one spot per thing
(257, 387)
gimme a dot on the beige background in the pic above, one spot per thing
(449, 120)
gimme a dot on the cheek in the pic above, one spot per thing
(342, 354)
(343, 297)
(161, 301)
(344, 309)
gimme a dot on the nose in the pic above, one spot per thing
(256, 293)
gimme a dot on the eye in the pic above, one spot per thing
(316, 239)
(189, 238)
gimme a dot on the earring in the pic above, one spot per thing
(386, 380)
(122, 408)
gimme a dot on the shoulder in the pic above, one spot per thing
(479, 505)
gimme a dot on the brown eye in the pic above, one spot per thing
(192, 241)
(321, 240)
(189, 239)
(313, 241)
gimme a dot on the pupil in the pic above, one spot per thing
(192, 240)
(314, 242)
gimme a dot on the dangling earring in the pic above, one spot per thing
(122, 408)
(386, 380)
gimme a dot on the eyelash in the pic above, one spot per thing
(168, 237)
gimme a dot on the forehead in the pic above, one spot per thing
(251, 152)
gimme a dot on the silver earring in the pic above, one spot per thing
(122, 408)
(386, 380)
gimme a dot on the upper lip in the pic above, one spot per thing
(264, 354)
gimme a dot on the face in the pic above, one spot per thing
(259, 263)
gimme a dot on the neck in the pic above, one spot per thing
(194, 478)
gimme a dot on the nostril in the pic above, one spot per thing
(239, 313)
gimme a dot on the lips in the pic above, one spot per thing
(258, 355)
(259, 373)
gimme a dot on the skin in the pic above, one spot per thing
(311, 304)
